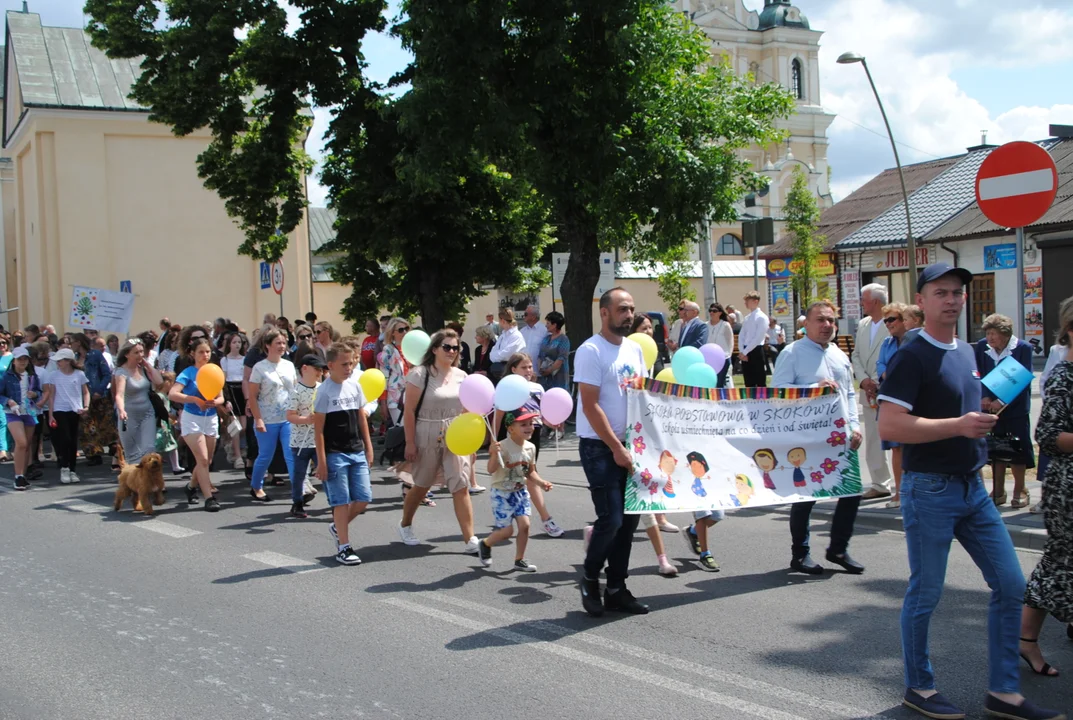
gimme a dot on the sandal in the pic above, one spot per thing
(1046, 668)
(1022, 500)
(999, 499)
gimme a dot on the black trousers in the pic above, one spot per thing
(65, 438)
(754, 369)
(841, 525)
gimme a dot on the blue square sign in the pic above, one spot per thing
(124, 286)
(266, 276)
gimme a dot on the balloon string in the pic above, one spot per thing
(492, 435)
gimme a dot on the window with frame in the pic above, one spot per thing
(729, 244)
(797, 82)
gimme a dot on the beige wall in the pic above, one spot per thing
(105, 197)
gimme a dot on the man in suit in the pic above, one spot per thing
(871, 332)
(694, 333)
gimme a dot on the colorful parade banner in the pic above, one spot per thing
(700, 449)
(104, 310)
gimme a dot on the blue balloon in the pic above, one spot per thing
(700, 375)
(511, 393)
(684, 359)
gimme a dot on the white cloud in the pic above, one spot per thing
(915, 48)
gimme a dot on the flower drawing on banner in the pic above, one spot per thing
(817, 476)
(829, 465)
(646, 477)
(637, 427)
(653, 488)
(836, 439)
(840, 423)
(639, 445)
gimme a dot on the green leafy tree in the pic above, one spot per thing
(802, 215)
(615, 111)
(409, 239)
(673, 271)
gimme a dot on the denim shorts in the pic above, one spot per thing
(507, 505)
(716, 515)
(348, 479)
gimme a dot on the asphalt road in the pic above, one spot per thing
(245, 614)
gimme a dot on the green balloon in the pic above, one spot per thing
(415, 345)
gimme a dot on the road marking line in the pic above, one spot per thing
(82, 506)
(284, 562)
(166, 528)
(628, 671)
(668, 660)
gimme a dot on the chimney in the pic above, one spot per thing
(983, 143)
(25, 7)
(983, 137)
(1061, 131)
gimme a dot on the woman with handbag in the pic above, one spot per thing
(135, 380)
(1050, 588)
(1010, 442)
(236, 346)
(431, 404)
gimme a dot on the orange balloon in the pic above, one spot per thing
(210, 381)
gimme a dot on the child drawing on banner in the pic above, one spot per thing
(797, 457)
(744, 490)
(765, 460)
(667, 464)
(699, 467)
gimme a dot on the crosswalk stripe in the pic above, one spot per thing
(166, 528)
(283, 562)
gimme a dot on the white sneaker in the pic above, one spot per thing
(552, 529)
(472, 546)
(407, 535)
(65, 476)
(668, 528)
(74, 477)
(238, 464)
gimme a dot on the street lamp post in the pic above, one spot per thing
(849, 58)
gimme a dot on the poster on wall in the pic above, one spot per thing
(851, 294)
(104, 310)
(559, 261)
(781, 298)
(1034, 305)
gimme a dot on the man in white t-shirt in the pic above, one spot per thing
(604, 367)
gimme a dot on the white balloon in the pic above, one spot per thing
(511, 393)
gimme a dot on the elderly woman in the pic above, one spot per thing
(894, 316)
(482, 358)
(394, 366)
(998, 344)
(99, 423)
(1050, 589)
(554, 361)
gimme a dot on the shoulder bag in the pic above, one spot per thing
(395, 441)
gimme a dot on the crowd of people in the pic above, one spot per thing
(293, 404)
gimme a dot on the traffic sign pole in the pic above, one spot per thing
(1021, 283)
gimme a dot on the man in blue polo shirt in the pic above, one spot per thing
(930, 402)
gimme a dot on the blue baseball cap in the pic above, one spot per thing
(933, 272)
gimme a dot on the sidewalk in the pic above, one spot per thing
(1025, 528)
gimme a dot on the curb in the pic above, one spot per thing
(1024, 538)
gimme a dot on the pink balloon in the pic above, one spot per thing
(714, 357)
(477, 394)
(556, 406)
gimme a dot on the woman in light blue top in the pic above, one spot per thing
(894, 315)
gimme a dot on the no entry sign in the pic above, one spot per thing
(1016, 184)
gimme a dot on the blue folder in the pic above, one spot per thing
(1008, 380)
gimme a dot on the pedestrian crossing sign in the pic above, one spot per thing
(266, 276)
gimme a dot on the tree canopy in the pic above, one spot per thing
(802, 215)
(608, 121)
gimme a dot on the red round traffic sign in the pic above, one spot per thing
(277, 277)
(1016, 184)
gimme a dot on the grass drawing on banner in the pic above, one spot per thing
(634, 498)
(850, 475)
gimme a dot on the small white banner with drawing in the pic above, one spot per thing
(697, 449)
(104, 310)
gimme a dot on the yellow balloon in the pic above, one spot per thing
(666, 375)
(465, 434)
(373, 384)
(648, 348)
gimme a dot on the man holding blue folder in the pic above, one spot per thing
(930, 402)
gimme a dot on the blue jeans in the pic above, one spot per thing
(612, 534)
(841, 526)
(302, 457)
(935, 510)
(266, 448)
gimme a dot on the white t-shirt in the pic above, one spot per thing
(277, 384)
(68, 396)
(612, 368)
(232, 368)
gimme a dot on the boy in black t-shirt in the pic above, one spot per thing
(344, 449)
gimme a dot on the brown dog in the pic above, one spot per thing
(143, 483)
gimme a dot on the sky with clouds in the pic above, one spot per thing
(946, 70)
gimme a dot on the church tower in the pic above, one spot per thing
(778, 45)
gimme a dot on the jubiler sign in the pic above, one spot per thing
(698, 449)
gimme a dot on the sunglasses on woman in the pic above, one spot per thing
(449, 348)
(891, 320)
(305, 337)
(405, 329)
